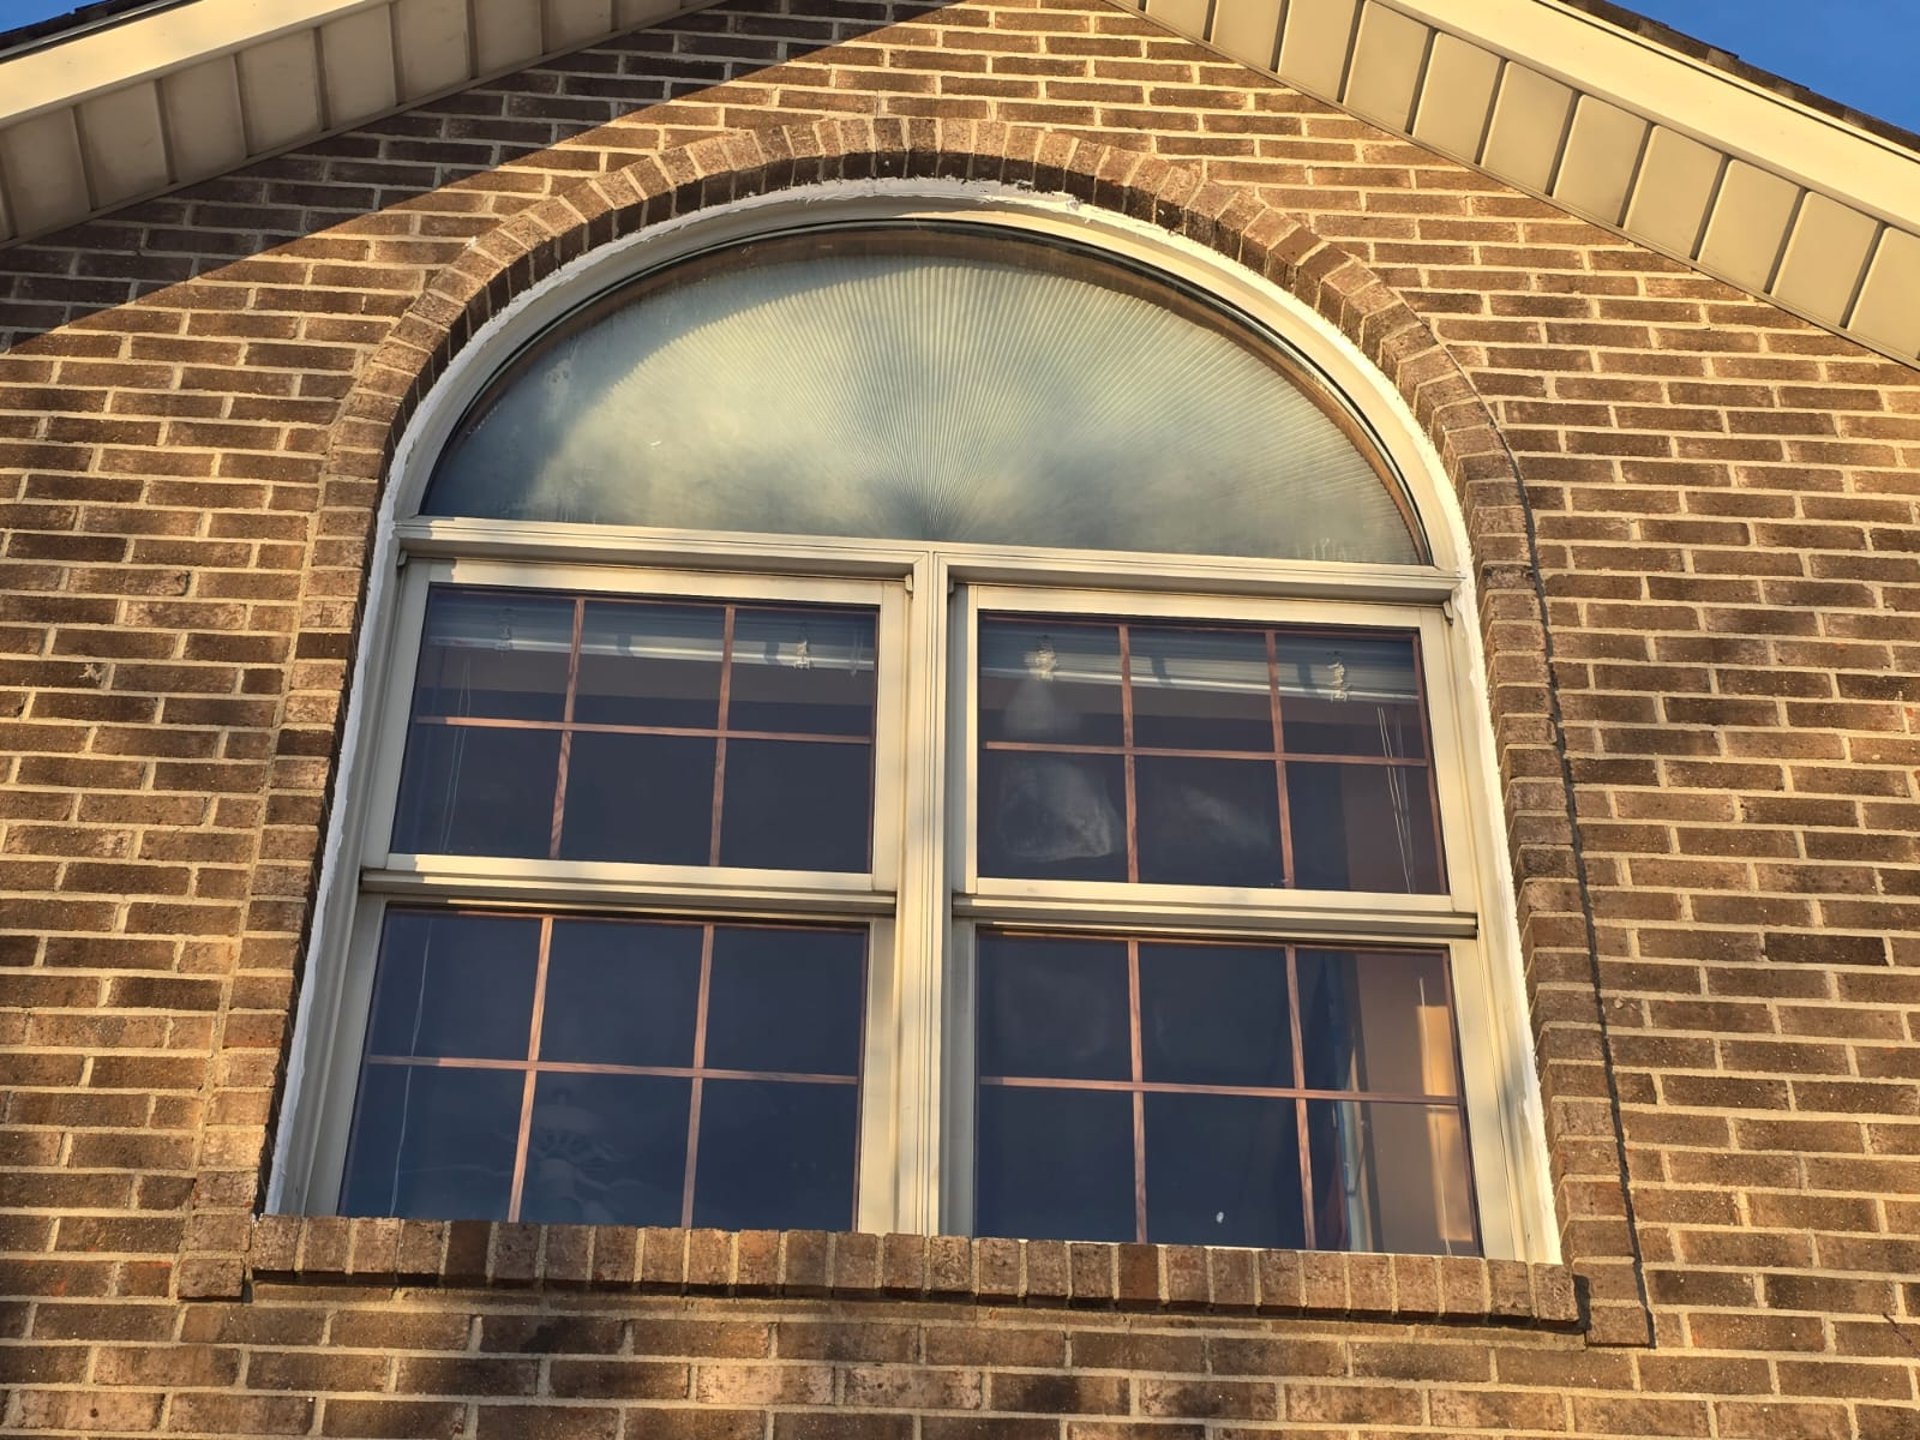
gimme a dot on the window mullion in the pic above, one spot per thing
(920, 933)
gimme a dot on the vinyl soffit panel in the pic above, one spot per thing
(1818, 215)
(190, 92)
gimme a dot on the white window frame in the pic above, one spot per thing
(914, 1171)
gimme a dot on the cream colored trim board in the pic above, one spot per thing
(1752, 187)
(135, 110)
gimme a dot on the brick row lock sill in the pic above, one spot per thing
(815, 1264)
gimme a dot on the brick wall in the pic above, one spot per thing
(1718, 523)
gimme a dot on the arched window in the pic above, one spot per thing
(916, 721)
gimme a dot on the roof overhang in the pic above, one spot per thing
(1698, 161)
(1693, 160)
(114, 115)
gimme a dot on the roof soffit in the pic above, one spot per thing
(116, 115)
(1784, 200)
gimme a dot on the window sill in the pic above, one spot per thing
(814, 1263)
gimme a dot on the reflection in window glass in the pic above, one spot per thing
(597, 1071)
(1391, 1177)
(1052, 1009)
(1204, 755)
(1176, 1090)
(1379, 1021)
(574, 728)
(942, 382)
(606, 1149)
(433, 1143)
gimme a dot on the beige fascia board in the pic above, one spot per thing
(1771, 131)
(198, 56)
(74, 70)
(1833, 208)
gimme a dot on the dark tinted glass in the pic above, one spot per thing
(1059, 817)
(1223, 1170)
(1054, 1164)
(1391, 1177)
(1200, 689)
(650, 664)
(1350, 695)
(467, 790)
(1363, 827)
(520, 695)
(776, 1156)
(804, 672)
(1377, 1021)
(1215, 1015)
(495, 654)
(641, 798)
(459, 985)
(1050, 683)
(786, 1000)
(621, 993)
(1208, 822)
(606, 1150)
(1053, 1008)
(433, 1143)
(796, 805)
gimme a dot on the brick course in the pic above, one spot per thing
(1696, 550)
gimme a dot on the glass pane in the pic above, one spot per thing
(606, 1150)
(1363, 827)
(640, 798)
(432, 1143)
(1054, 1164)
(1209, 822)
(650, 664)
(1050, 682)
(1053, 1008)
(806, 672)
(1223, 1170)
(786, 1000)
(1391, 1177)
(801, 386)
(1377, 1021)
(459, 985)
(1215, 1015)
(776, 1156)
(1056, 817)
(1350, 695)
(1200, 689)
(468, 790)
(494, 654)
(797, 805)
(621, 993)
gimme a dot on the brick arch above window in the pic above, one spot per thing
(1592, 1201)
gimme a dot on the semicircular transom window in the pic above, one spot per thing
(938, 383)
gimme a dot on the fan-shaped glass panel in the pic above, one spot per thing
(925, 383)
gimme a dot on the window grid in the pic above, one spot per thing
(568, 726)
(533, 1066)
(1279, 755)
(1138, 1087)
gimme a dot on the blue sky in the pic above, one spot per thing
(1863, 52)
